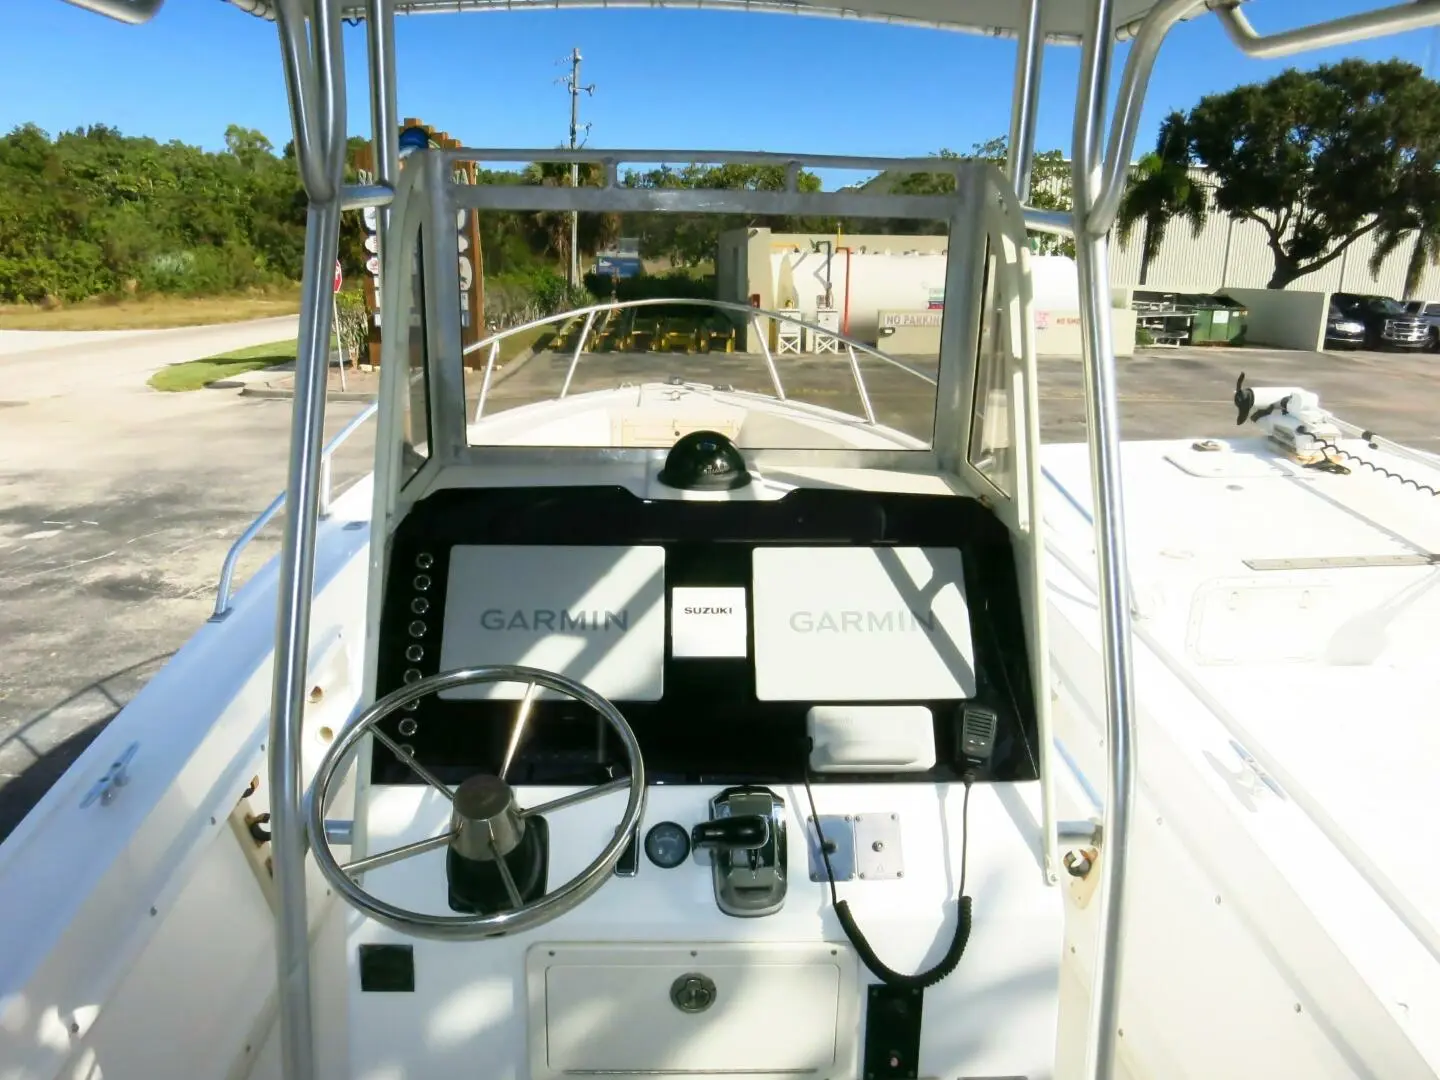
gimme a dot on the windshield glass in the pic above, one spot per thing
(1379, 305)
(844, 323)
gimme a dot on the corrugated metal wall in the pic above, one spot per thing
(1237, 253)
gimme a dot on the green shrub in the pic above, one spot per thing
(353, 329)
(526, 295)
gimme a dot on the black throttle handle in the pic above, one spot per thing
(740, 833)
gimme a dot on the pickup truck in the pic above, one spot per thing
(1430, 312)
(1386, 321)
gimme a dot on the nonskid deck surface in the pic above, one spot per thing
(1304, 605)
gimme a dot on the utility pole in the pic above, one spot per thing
(573, 82)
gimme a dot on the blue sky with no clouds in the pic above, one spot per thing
(677, 79)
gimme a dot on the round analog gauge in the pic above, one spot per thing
(667, 844)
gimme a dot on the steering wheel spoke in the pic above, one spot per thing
(399, 854)
(511, 889)
(517, 730)
(415, 767)
(575, 798)
(486, 822)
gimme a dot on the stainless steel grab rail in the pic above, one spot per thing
(232, 557)
(752, 314)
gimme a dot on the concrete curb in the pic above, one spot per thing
(267, 388)
(246, 378)
(283, 393)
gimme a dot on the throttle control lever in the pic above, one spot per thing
(746, 840)
(742, 833)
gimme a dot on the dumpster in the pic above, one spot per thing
(1219, 319)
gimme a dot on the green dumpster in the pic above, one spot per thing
(1219, 319)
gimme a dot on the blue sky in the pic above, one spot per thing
(663, 79)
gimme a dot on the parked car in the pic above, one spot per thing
(1343, 330)
(1431, 314)
(1386, 322)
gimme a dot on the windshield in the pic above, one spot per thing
(1379, 305)
(846, 325)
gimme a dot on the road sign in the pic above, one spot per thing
(467, 273)
(372, 264)
(372, 243)
(338, 276)
(372, 217)
(464, 242)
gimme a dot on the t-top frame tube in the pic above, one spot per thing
(1103, 424)
(1025, 100)
(314, 65)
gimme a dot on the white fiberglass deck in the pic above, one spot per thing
(1325, 674)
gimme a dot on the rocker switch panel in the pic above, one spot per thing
(745, 838)
(892, 1032)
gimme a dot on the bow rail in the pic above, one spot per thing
(753, 315)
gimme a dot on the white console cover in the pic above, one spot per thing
(596, 614)
(861, 624)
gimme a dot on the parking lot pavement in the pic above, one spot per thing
(1164, 393)
(119, 505)
(1186, 392)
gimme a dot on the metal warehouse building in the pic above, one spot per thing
(1236, 254)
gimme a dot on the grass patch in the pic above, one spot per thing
(517, 344)
(195, 374)
(151, 312)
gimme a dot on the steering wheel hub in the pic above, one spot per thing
(485, 819)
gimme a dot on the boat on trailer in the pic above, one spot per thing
(675, 730)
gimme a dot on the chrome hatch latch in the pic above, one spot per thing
(745, 839)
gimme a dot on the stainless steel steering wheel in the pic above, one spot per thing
(486, 823)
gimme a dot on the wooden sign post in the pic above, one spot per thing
(469, 254)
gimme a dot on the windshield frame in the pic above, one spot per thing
(964, 209)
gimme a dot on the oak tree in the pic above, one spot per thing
(1319, 159)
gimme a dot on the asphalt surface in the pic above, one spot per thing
(1164, 393)
(119, 503)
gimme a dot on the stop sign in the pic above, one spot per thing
(337, 275)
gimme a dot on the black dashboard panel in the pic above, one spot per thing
(708, 727)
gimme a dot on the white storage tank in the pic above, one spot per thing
(861, 283)
(1055, 282)
(897, 278)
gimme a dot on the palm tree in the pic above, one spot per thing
(552, 228)
(1160, 189)
(1425, 252)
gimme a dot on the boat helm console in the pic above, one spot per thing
(830, 635)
